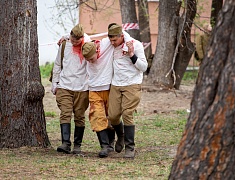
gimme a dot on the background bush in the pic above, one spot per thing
(190, 75)
(45, 70)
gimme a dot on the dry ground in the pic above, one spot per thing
(154, 99)
(158, 131)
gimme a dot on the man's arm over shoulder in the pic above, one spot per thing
(87, 38)
(105, 44)
(127, 36)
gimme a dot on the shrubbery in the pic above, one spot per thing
(45, 70)
(190, 75)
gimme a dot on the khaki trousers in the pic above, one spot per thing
(72, 102)
(123, 101)
(98, 110)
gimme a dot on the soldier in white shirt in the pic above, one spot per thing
(125, 90)
(70, 86)
(99, 55)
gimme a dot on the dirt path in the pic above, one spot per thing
(153, 100)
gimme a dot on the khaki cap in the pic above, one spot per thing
(115, 30)
(88, 49)
(78, 30)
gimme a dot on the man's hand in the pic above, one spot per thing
(54, 88)
(130, 46)
(61, 40)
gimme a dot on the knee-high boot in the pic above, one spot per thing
(104, 142)
(65, 135)
(78, 136)
(119, 129)
(111, 134)
(129, 139)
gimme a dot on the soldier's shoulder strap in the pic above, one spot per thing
(62, 53)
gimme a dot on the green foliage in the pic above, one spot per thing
(190, 75)
(45, 70)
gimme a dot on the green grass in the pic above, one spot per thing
(189, 77)
(156, 140)
(50, 114)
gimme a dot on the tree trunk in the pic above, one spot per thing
(186, 47)
(145, 30)
(167, 34)
(22, 120)
(128, 12)
(216, 6)
(174, 47)
(207, 148)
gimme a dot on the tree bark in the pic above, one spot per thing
(167, 34)
(128, 12)
(174, 47)
(22, 120)
(216, 6)
(187, 47)
(207, 149)
(145, 29)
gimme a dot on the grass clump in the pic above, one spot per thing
(50, 114)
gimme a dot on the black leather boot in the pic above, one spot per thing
(111, 134)
(104, 143)
(78, 136)
(120, 135)
(129, 136)
(65, 135)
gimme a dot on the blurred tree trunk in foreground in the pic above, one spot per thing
(22, 120)
(207, 148)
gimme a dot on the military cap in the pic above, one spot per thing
(78, 30)
(88, 49)
(115, 30)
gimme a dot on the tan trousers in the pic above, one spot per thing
(123, 101)
(98, 110)
(72, 102)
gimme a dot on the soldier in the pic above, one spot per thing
(99, 54)
(71, 89)
(202, 41)
(124, 97)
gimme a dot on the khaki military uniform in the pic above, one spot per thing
(201, 46)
